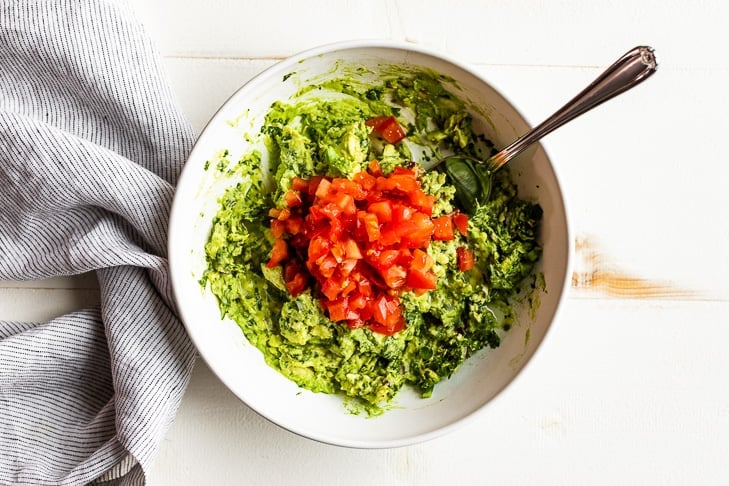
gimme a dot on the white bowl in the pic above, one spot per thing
(240, 366)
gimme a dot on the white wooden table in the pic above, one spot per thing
(632, 385)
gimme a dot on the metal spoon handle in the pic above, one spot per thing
(635, 66)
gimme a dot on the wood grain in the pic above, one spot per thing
(595, 272)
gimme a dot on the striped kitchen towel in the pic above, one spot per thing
(91, 143)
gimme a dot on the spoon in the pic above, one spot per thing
(633, 67)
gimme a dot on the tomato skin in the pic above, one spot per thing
(278, 228)
(279, 253)
(422, 201)
(314, 184)
(318, 249)
(322, 190)
(374, 168)
(394, 276)
(293, 198)
(460, 220)
(351, 188)
(338, 309)
(465, 259)
(419, 279)
(381, 209)
(387, 127)
(370, 225)
(294, 225)
(421, 261)
(443, 228)
(297, 284)
(403, 182)
(330, 288)
(300, 184)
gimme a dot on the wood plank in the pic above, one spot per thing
(615, 395)
(521, 32)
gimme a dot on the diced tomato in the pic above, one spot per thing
(375, 121)
(406, 183)
(370, 225)
(348, 286)
(364, 287)
(345, 202)
(299, 184)
(347, 266)
(284, 214)
(405, 257)
(358, 243)
(394, 276)
(365, 180)
(297, 284)
(337, 309)
(392, 131)
(422, 201)
(351, 249)
(387, 315)
(402, 212)
(356, 323)
(352, 188)
(465, 259)
(322, 190)
(314, 184)
(331, 288)
(443, 228)
(419, 279)
(384, 308)
(279, 253)
(461, 221)
(421, 261)
(382, 209)
(397, 326)
(374, 168)
(387, 127)
(277, 228)
(358, 301)
(318, 249)
(381, 259)
(328, 266)
(422, 230)
(292, 198)
(294, 225)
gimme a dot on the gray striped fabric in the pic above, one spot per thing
(91, 143)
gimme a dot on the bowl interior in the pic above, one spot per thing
(240, 365)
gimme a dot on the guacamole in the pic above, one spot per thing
(315, 134)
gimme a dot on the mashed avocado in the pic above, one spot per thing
(318, 135)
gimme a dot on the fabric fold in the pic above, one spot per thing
(91, 144)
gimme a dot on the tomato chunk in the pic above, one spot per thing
(465, 259)
(443, 228)
(359, 243)
(460, 220)
(279, 253)
(387, 127)
(300, 184)
(292, 198)
(419, 279)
